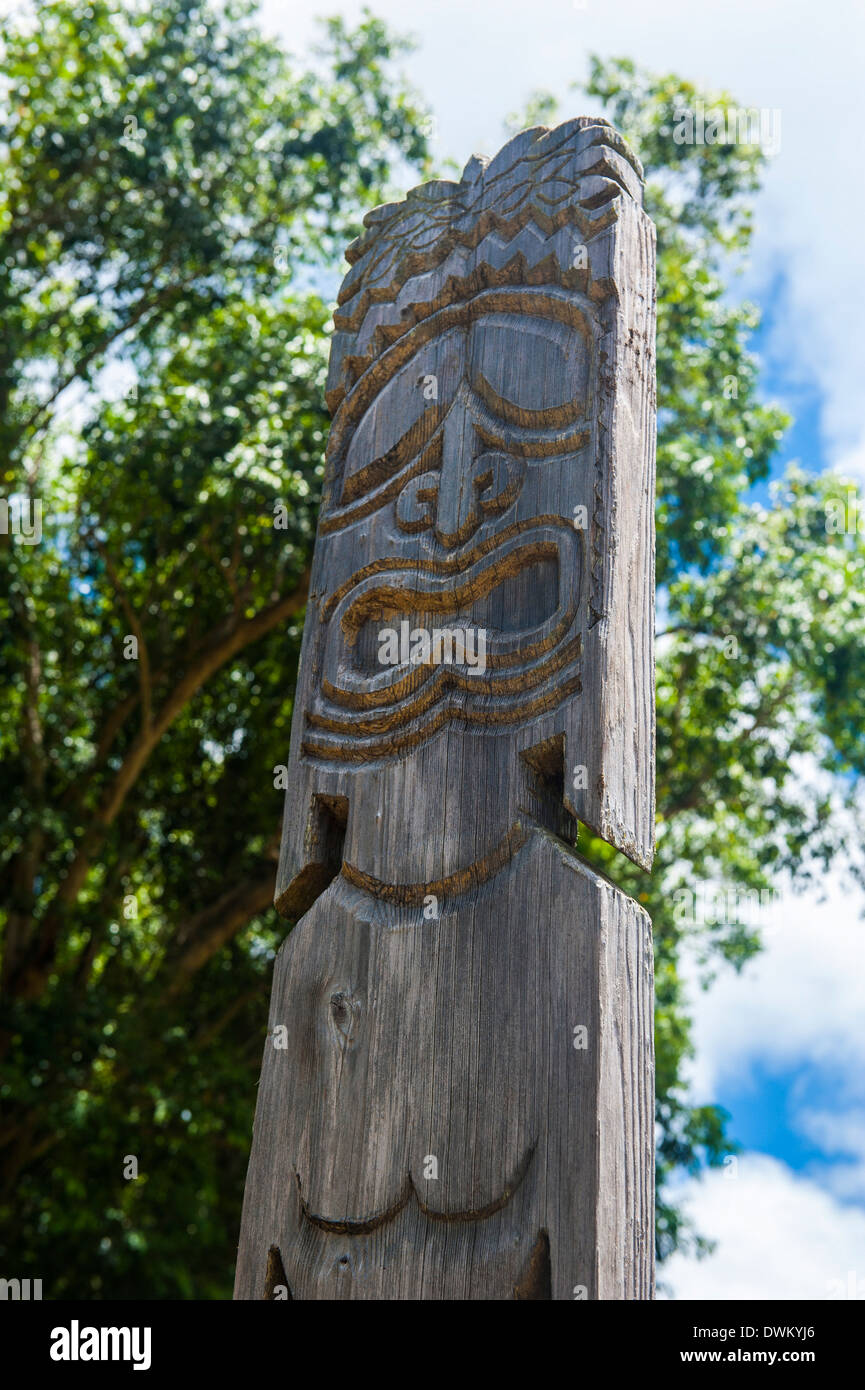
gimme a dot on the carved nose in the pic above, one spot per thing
(474, 483)
(456, 512)
(471, 485)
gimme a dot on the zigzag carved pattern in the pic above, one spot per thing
(418, 261)
(456, 289)
(410, 239)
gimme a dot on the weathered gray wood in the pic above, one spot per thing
(490, 467)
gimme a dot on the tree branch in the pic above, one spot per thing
(138, 631)
(209, 930)
(224, 643)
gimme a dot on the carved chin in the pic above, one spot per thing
(413, 1190)
(410, 646)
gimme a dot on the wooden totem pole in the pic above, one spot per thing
(456, 1097)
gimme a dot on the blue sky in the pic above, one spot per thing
(803, 442)
(782, 1046)
(762, 1103)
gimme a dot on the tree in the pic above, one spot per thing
(177, 197)
(761, 612)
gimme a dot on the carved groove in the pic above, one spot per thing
(363, 1225)
(447, 565)
(441, 676)
(275, 1276)
(359, 715)
(397, 743)
(537, 1280)
(551, 302)
(413, 894)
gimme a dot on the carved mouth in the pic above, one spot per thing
(488, 601)
(489, 657)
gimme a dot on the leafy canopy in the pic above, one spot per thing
(175, 197)
(176, 193)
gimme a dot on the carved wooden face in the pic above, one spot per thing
(459, 492)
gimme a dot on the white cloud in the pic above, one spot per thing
(850, 463)
(842, 1138)
(800, 1002)
(795, 1010)
(477, 62)
(779, 1236)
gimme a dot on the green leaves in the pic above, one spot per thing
(761, 628)
(163, 161)
(177, 195)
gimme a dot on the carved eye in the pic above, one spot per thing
(530, 371)
(404, 415)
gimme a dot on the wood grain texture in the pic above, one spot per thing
(490, 470)
(409, 1040)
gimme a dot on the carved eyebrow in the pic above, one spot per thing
(547, 418)
(535, 443)
(379, 481)
(373, 475)
(529, 434)
(346, 513)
